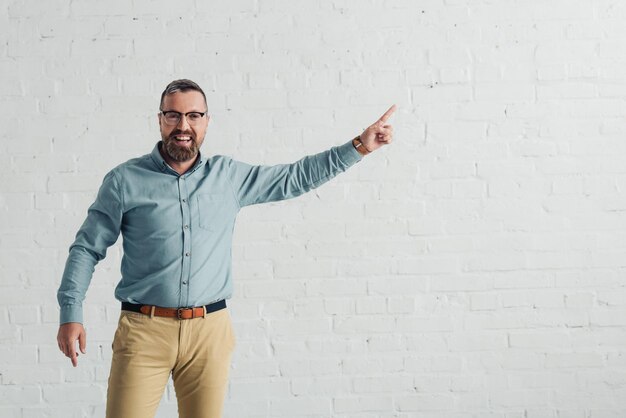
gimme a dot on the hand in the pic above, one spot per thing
(378, 134)
(67, 336)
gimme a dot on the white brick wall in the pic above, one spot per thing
(475, 268)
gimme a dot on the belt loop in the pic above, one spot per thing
(152, 308)
(204, 311)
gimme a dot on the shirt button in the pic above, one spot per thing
(186, 226)
(186, 254)
(184, 200)
(184, 282)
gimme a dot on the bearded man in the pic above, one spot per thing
(176, 210)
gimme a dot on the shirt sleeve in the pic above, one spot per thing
(99, 231)
(254, 184)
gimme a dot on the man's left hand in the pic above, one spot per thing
(378, 134)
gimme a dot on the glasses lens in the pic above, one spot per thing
(194, 117)
(171, 118)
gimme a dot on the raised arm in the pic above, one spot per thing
(259, 184)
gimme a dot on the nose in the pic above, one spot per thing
(183, 124)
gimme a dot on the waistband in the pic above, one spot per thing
(180, 313)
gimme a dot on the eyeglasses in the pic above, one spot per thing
(172, 118)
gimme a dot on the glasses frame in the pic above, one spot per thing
(180, 116)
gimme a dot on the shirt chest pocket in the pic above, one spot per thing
(210, 206)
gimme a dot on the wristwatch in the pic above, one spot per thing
(358, 145)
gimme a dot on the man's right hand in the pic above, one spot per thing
(67, 336)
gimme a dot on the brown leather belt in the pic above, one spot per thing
(180, 313)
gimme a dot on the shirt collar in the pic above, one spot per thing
(164, 166)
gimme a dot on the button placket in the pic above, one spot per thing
(185, 222)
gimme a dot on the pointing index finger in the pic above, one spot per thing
(387, 114)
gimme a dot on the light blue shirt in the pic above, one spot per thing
(177, 229)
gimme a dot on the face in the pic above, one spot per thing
(182, 142)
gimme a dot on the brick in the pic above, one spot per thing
(25, 375)
(371, 305)
(117, 7)
(363, 268)
(360, 404)
(425, 402)
(521, 398)
(308, 307)
(478, 341)
(396, 285)
(396, 384)
(311, 405)
(320, 386)
(73, 393)
(512, 92)
(18, 354)
(438, 363)
(423, 324)
(429, 265)
(366, 366)
(574, 360)
(539, 340)
(336, 287)
(484, 301)
(11, 412)
(364, 324)
(260, 390)
(567, 90)
(400, 305)
(303, 270)
(300, 326)
(339, 306)
(24, 314)
(26, 395)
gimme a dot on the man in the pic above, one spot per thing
(176, 210)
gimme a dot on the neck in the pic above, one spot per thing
(181, 167)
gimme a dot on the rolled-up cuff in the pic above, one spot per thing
(71, 313)
(348, 154)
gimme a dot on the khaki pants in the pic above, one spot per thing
(147, 349)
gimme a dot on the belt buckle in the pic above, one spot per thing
(179, 312)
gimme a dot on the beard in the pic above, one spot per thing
(179, 152)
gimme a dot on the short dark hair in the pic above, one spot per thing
(182, 85)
